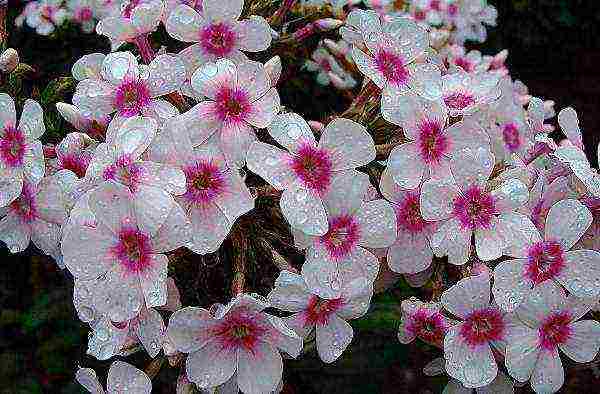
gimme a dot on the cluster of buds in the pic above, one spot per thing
(441, 161)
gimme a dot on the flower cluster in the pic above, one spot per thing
(171, 155)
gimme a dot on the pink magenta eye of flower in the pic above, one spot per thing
(432, 142)
(459, 100)
(313, 167)
(392, 67)
(131, 98)
(25, 206)
(242, 330)
(482, 326)
(83, 14)
(464, 63)
(555, 330)
(218, 39)
(77, 164)
(12, 147)
(512, 137)
(129, 7)
(232, 105)
(133, 250)
(205, 181)
(319, 310)
(452, 9)
(545, 261)
(408, 214)
(475, 208)
(125, 171)
(342, 237)
(428, 326)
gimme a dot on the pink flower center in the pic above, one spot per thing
(76, 163)
(555, 330)
(12, 147)
(459, 100)
(232, 105)
(129, 7)
(419, 15)
(427, 325)
(512, 137)
(218, 39)
(392, 67)
(241, 330)
(464, 63)
(435, 5)
(124, 171)
(133, 250)
(342, 237)
(408, 214)
(25, 206)
(452, 9)
(313, 167)
(319, 310)
(131, 97)
(475, 208)
(432, 142)
(205, 181)
(545, 261)
(83, 14)
(482, 326)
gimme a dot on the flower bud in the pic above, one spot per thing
(273, 69)
(326, 24)
(9, 60)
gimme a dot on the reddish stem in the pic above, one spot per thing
(144, 48)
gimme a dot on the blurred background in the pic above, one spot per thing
(554, 48)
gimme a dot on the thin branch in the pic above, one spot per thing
(154, 367)
(240, 246)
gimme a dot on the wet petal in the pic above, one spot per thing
(32, 121)
(304, 210)
(377, 222)
(453, 240)
(333, 338)
(567, 221)
(467, 295)
(254, 33)
(188, 329)
(348, 144)
(406, 166)
(259, 371)
(125, 377)
(511, 286)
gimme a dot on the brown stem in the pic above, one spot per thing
(240, 246)
(144, 48)
(154, 367)
(383, 151)
(3, 31)
(277, 18)
(265, 191)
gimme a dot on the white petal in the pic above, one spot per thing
(346, 192)
(189, 328)
(522, 352)
(473, 367)
(112, 205)
(88, 66)
(184, 24)
(88, 379)
(548, 375)
(260, 371)
(333, 338)
(304, 210)
(406, 166)
(33, 162)
(255, 34)
(152, 207)
(510, 195)
(14, 234)
(167, 73)
(119, 297)
(290, 292)
(377, 222)
(511, 287)
(348, 144)
(264, 109)
(450, 239)
(468, 294)
(581, 273)
(209, 227)
(32, 121)
(145, 17)
(212, 76)
(544, 299)
(290, 130)
(489, 242)
(567, 221)
(271, 163)
(410, 254)
(135, 135)
(150, 330)
(521, 232)
(119, 65)
(125, 377)
(8, 114)
(93, 260)
(437, 199)
(222, 10)
(583, 342)
(211, 366)
(153, 281)
(472, 166)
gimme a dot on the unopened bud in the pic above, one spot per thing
(327, 24)
(9, 60)
(304, 32)
(316, 126)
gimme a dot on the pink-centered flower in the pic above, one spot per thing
(340, 255)
(424, 321)
(238, 339)
(307, 170)
(132, 19)
(36, 215)
(327, 317)
(21, 155)
(411, 253)
(124, 87)
(95, 128)
(123, 246)
(84, 13)
(216, 31)
(464, 205)
(45, 15)
(468, 344)
(122, 377)
(548, 257)
(240, 97)
(547, 321)
(74, 153)
(389, 60)
(464, 93)
(431, 142)
(215, 194)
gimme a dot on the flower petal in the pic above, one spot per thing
(93, 260)
(348, 143)
(406, 166)
(511, 287)
(548, 375)
(583, 342)
(522, 351)
(452, 240)
(437, 199)
(254, 33)
(304, 210)
(222, 10)
(188, 328)
(271, 163)
(184, 24)
(410, 254)
(377, 222)
(333, 338)
(290, 130)
(14, 234)
(468, 294)
(290, 293)
(32, 121)
(126, 377)
(472, 166)
(567, 221)
(209, 78)
(521, 232)
(212, 365)
(259, 371)
(264, 109)
(8, 113)
(167, 74)
(581, 273)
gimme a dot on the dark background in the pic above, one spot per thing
(554, 48)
